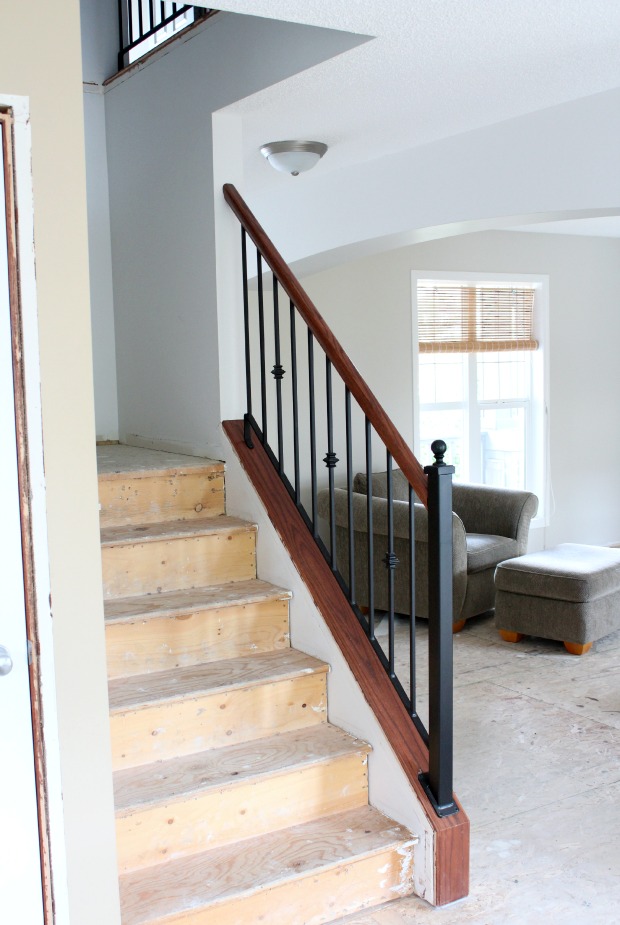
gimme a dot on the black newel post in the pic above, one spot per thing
(438, 782)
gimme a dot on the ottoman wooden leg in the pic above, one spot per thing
(458, 626)
(509, 636)
(577, 648)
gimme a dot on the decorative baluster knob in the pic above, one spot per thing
(330, 460)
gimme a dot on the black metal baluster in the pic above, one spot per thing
(130, 21)
(371, 564)
(162, 13)
(438, 782)
(123, 28)
(151, 15)
(391, 562)
(295, 405)
(247, 429)
(412, 655)
(315, 526)
(278, 373)
(261, 332)
(347, 411)
(330, 460)
(140, 19)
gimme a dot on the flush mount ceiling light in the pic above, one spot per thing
(293, 157)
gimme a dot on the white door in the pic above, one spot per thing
(20, 865)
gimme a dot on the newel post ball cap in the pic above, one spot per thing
(293, 156)
(439, 448)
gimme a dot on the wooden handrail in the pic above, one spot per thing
(385, 428)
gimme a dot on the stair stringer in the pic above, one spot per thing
(389, 790)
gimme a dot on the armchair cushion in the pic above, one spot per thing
(486, 551)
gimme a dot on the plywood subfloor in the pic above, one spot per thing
(537, 747)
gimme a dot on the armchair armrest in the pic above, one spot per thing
(495, 511)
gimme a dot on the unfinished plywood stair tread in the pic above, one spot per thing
(130, 534)
(214, 677)
(179, 603)
(165, 781)
(117, 461)
(277, 876)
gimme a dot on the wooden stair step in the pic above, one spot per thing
(155, 632)
(183, 711)
(130, 534)
(186, 805)
(176, 555)
(302, 875)
(181, 603)
(137, 486)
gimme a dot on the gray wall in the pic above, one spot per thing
(159, 142)
(99, 33)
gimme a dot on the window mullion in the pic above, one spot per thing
(473, 424)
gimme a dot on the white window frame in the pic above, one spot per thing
(537, 463)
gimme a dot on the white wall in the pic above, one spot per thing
(159, 138)
(368, 305)
(41, 60)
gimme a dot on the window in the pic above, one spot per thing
(479, 377)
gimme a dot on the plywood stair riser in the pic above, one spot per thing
(290, 791)
(177, 558)
(237, 803)
(139, 645)
(212, 720)
(140, 498)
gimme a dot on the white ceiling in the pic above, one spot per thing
(435, 68)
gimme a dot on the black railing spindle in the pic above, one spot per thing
(412, 651)
(331, 461)
(278, 373)
(313, 482)
(261, 339)
(390, 560)
(246, 324)
(369, 521)
(295, 408)
(350, 525)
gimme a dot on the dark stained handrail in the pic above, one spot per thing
(393, 440)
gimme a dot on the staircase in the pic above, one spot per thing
(236, 801)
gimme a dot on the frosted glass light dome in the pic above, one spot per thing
(293, 157)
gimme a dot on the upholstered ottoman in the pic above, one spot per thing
(570, 593)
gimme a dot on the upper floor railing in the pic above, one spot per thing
(326, 407)
(145, 24)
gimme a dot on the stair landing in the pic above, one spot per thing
(118, 459)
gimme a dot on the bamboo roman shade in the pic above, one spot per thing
(472, 319)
